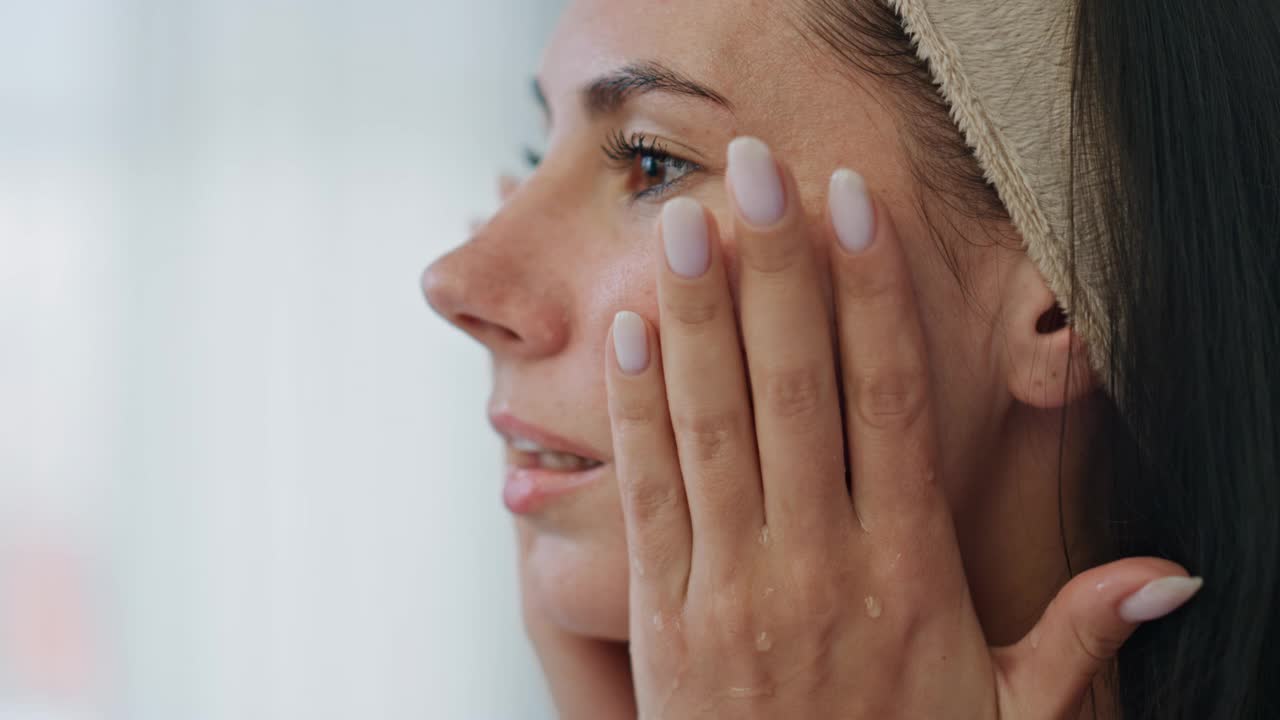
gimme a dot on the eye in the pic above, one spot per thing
(532, 157)
(651, 170)
(655, 171)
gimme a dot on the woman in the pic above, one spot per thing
(854, 429)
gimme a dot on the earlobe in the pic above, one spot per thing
(1047, 363)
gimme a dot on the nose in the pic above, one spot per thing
(482, 289)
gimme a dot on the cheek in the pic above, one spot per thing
(958, 335)
(626, 280)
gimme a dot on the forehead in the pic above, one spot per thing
(725, 44)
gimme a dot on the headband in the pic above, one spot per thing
(1005, 68)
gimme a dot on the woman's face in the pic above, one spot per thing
(641, 101)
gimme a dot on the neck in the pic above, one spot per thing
(1014, 542)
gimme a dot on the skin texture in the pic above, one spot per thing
(539, 284)
(970, 548)
(728, 620)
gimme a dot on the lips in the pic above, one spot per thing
(542, 466)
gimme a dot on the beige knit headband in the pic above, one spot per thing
(1005, 68)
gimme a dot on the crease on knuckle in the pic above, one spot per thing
(708, 434)
(1096, 647)
(891, 398)
(863, 284)
(648, 496)
(693, 309)
(793, 393)
(774, 255)
(632, 415)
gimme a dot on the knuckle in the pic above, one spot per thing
(812, 587)
(793, 393)
(692, 308)
(708, 435)
(774, 255)
(891, 398)
(730, 612)
(1099, 647)
(632, 414)
(862, 282)
(649, 496)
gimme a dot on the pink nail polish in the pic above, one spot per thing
(851, 213)
(630, 342)
(684, 237)
(757, 188)
(1159, 598)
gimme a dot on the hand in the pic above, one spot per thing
(760, 586)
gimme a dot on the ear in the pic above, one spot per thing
(1047, 363)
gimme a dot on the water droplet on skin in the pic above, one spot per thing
(873, 606)
(639, 569)
(657, 622)
(1035, 639)
(764, 535)
(764, 642)
(894, 563)
(767, 592)
(747, 692)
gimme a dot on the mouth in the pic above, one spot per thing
(525, 453)
(541, 466)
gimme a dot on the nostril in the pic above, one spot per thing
(478, 328)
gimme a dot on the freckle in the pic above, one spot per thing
(657, 622)
(764, 642)
(764, 535)
(873, 606)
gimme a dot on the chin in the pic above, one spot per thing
(580, 581)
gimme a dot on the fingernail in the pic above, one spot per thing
(851, 213)
(684, 237)
(1159, 598)
(756, 185)
(630, 342)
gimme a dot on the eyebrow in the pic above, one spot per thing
(607, 93)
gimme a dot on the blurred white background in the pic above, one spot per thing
(244, 472)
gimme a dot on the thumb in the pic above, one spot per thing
(1046, 674)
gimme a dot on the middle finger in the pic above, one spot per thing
(789, 345)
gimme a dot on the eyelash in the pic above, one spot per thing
(623, 151)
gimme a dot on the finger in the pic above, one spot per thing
(787, 336)
(883, 363)
(707, 389)
(648, 470)
(1046, 674)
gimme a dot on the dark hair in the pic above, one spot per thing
(1176, 153)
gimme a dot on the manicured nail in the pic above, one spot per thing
(754, 178)
(851, 212)
(684, 237)
(630, 342)
(1159, 598)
